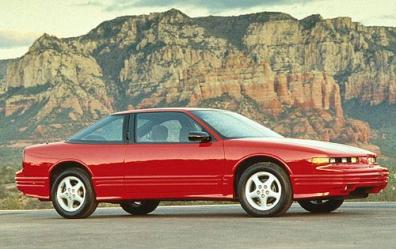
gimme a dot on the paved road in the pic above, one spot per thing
(355, 225)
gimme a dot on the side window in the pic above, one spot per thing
(107, 130)
(164, 127)
(174, 127)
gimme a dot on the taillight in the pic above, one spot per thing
(23, 159)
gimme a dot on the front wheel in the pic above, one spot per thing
(321, 206)
(72, 194)
(139, 207)
(264, 190)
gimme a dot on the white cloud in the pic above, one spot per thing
(14, 39)
(7, 53)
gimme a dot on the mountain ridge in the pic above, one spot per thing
(291, 75)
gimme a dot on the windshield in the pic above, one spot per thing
(233, 125)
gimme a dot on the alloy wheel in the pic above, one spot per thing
(263, 191)
(71, 193)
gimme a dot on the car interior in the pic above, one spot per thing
(164, 127)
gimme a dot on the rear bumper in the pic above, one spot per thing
(37, 187)
(340, 181)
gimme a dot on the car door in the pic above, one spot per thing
(161, 162)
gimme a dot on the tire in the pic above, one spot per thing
(273, 185)
(139, 207)
(321, 206)
(73, 186)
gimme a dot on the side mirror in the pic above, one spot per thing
(199, 136)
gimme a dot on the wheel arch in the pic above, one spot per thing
(67, 164)
(246, 162)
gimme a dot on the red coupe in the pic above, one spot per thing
(138, 158)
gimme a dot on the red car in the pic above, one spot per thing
(138, 158)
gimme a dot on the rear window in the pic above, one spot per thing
(106, 130)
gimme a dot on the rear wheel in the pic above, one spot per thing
(264, 190)
(72, 194)
(139, 207)
(321, 206)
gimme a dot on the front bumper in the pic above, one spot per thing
(340, 181)
(37, 187)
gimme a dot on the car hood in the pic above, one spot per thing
(320, 146)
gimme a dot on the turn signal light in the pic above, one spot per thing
(320, 160)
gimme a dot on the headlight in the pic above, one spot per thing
(371, 160)
(335, 160)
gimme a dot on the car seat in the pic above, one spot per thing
(159, 133)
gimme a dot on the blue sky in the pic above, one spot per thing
(22, 21)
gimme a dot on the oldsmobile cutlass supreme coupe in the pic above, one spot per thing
(139, 158)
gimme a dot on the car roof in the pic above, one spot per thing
(166, 109)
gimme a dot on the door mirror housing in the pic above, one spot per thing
(200, 136)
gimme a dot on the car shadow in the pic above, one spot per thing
(219, 215)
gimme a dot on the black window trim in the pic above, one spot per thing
(212, 138)
(129, 131)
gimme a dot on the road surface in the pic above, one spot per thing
(354, 225)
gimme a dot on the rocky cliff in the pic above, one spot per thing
(3, 74)
(292, 75)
